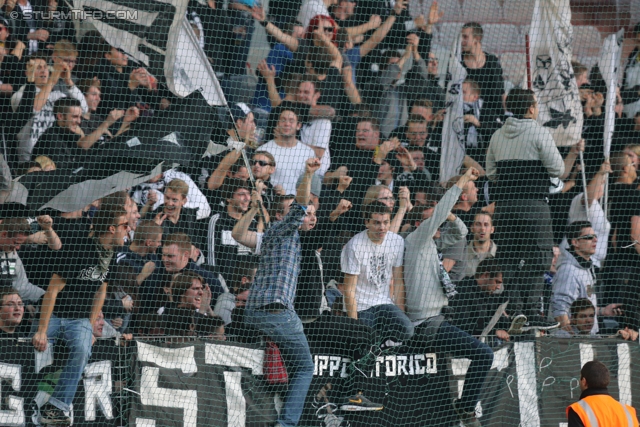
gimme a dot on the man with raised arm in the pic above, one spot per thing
(72, 302)
(270, 304)
(428, 290)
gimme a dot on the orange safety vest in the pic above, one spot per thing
(602, 410)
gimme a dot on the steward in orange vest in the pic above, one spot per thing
(596, 408)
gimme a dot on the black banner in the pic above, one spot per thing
(221, 384)
(27, 379)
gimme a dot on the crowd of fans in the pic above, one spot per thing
(346, 228)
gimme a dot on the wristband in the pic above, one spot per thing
(265, 23)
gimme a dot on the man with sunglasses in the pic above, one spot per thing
(576, 278)
(72, 302)
(263, 165)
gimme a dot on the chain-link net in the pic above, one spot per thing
(319, 213)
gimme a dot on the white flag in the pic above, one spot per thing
(609, 64)
(453, 152)
(157, 34)
(552, 75)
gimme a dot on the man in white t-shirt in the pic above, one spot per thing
(316, 133)
(370, 262)
(290, 154)
(311, 8)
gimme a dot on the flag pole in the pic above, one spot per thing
(247, 164)
(527, 49)
(584, 185)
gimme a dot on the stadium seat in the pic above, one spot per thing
(518, 11)
(447, 33)
(451, 8)
(514, 67)
(501, 38)
(634, 11)
(482, 11)
(587, 61)
(587, 41)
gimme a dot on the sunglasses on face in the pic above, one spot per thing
(261, 163)
(587, 237)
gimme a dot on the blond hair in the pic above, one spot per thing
(178, 186)
(65, 47)
(45, 163)
(373, 193)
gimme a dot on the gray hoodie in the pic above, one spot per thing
(424, 295)
(521, 158)
(572, 281)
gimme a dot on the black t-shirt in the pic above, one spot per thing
(152, 295)
(79, 265)
(332, 92)
(491, 83)
(71, 229)
(186, 224)
(22, 331)
(363, 170)
(624, 202)
(310, 288)
(60, 145)
(473, 308)
(222, 250)
(11, 72)
(468, 217)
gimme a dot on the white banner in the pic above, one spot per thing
(453, 152)
(609, 63)
(552, 75)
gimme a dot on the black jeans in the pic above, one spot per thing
(524, 238)
(450, 340)
(339, 335)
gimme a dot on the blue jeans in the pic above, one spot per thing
(76, 334)
(449, 339)
(285, 329)
(388, 321)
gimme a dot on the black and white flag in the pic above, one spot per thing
(552, 76)
(157, 34)
(453, 151)
(609, 65)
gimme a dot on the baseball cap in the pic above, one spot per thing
(239, 110)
